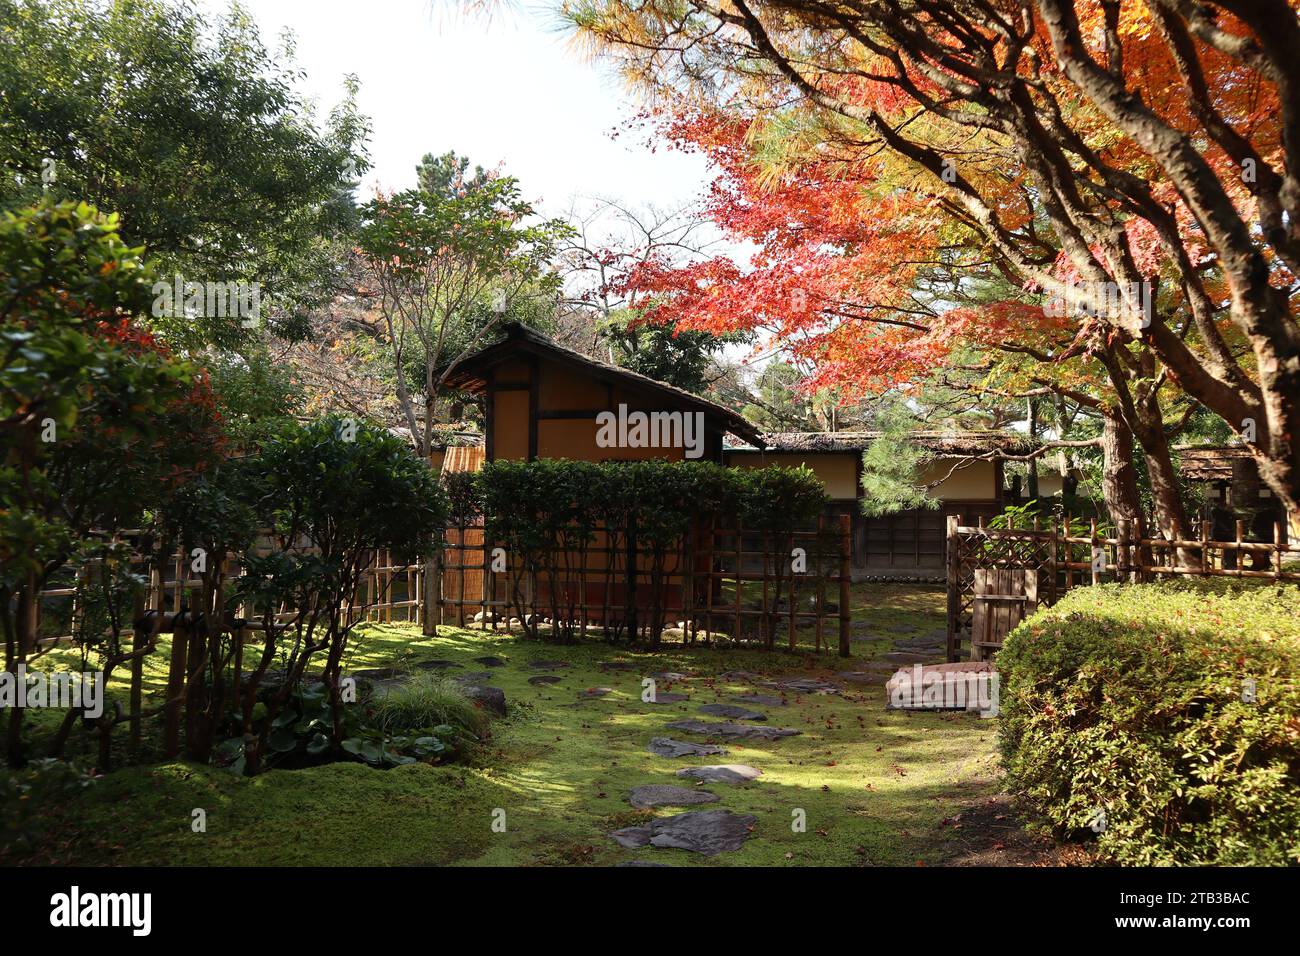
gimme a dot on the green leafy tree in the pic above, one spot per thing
(447, 267)
(191, 130)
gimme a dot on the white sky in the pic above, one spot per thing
(510, 90)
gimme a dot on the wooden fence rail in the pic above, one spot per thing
(1058, 559)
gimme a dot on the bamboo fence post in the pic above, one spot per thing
(1096, 575)
(790, 597)
(1277, 551)
(846, 561)
(740, 536)
(175, 686)
(690, 544)
(1205, 548)
(820, 592)
(710, 537)
(954, 584)
(137, 671)
(1241, 530)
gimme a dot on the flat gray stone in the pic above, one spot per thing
(732, 711)
(670, 676)
(666, 795)
(709, 832)
(863, 677)
(473, 677)
(738, 675)
(490, 661)
(667, 697)
(667, 747)
(547, 665)
(907, 657)
(617, 666)
(805, 685)
(732, 730)
(762, 700)
(435, 665)
(544, 679)
(591, 692)
(722, 773)
(641, 863)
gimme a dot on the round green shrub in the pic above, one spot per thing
(1133, 701)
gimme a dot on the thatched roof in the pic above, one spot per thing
(937, 442)
(469, 375)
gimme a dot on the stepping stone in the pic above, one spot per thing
(666, 795)
(732, 730)
(709, 832)
(435, 665)
(474, 677)
(738, 675)
(863, 677)
(667, 747)
(667, 697)
(762, 700)
(641, 863)
(541, 679)
(907, 657)
(732, 711)
(962, 685)
(492, 698)
(722, 773)
(547, 665)
(376, 673)
(805, 685)
(670, 676)
(592, 692)
(490, 661)
(617, 666)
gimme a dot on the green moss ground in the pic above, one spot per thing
(877, 786)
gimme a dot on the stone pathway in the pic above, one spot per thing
(667, 747)
(722, 773)
(702, 831)
(666, 795)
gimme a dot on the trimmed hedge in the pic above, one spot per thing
(1129, 699)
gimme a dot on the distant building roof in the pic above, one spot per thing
(1209, 462)
(468, 375)
(938, 442)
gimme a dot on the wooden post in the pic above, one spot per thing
(1096, 575)
(1121, 548)
(138, 644)
(819, 597)
(175, 687)
(708, 564)
(1205, 547)
(740, 560)
(790, 596)
(1051, 562)
(1241, 533)
(688, 584)
(432, 596)
(953, 539)
(846, 563)
(1277, 551)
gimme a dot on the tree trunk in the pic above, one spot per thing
(1119, 476)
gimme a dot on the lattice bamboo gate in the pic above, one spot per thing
(713, 582)
(991, 571)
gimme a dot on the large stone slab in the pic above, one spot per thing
(667, 747)
(592, 692)
(762, 700)
(738, 675)
(473, 677)
(544, 665)
(544, 679)
(670, 676)
(907, 657)
(435, 665)
(722, 773)
(726, 729)
(805, 685)
(731, 710)
(963, 685)
(709, 832)
(668, 697)
(666, 795)
(490, 661)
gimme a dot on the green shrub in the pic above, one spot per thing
(428, 700)
(26, 795)
(1130, 700)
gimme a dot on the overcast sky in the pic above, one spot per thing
(511, 91)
